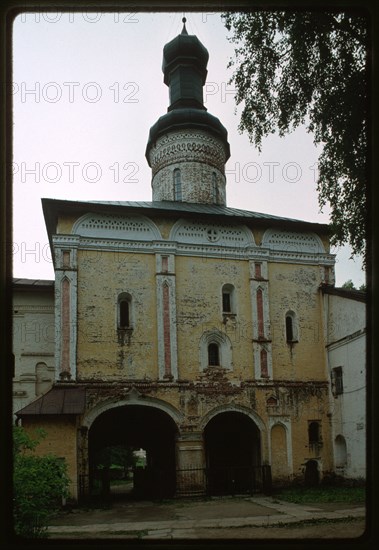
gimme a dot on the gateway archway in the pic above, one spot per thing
(128, 428)
(233, 453)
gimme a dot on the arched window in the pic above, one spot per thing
(215, 350)
(124, 314)
(291, 327)
(177, 185)
(124, 311)
(228, 299)
(213, 354)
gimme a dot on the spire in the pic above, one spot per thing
(184, 30)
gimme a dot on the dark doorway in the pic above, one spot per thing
(232, 446)
(121, 431)
(311, 476)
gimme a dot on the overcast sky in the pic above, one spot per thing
(88, 87)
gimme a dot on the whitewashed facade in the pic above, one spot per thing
(345, 312)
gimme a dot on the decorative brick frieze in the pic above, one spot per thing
(187, 146)
(200, 157)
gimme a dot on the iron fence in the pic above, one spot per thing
(194, 481)
(223, 480)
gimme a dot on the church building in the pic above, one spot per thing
(185, 327)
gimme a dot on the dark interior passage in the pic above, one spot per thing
(232, 446)
(124, 429)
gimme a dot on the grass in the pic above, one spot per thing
(305, 495)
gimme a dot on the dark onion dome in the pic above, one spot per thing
(183, 119)
(185, 49)
(185, 69)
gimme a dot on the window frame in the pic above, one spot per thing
(291, 328)
(124, 297)
(228, 290)
(314, 442)
(178, 191)
(337, 376)
(213, 348)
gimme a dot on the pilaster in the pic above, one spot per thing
(166, 317)
(261, 333)
(65, 312)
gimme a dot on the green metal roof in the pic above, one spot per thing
(178, 208)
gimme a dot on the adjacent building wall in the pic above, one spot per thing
(33, 340)
(346, 352)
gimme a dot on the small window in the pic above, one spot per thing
(124, 311)
(124, 314)
(226, 302)
(338, 381)
(228, 305)
(291, 327)
(177, 185)
(213, 355)
(314, 432)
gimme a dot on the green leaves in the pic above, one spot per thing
(39, 484)
(297, 67)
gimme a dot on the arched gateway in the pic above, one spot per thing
(223, 457)
(123, 429)
(233, 453)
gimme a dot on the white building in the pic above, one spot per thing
(33, 339)
(345, 312)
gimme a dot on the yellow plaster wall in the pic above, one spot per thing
(295, 287)
(102, 276)
(301, 450)
(65, 223)
(199, 282)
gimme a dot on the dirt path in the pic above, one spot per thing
(351, 529)
(233, 518)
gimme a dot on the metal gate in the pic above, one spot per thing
(228, 480)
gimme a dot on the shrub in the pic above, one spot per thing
(39, 484)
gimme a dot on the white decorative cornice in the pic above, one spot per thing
(243, 251)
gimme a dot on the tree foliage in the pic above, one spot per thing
(294, 68)
(39, 483)
(117, 455)
(349, 285)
